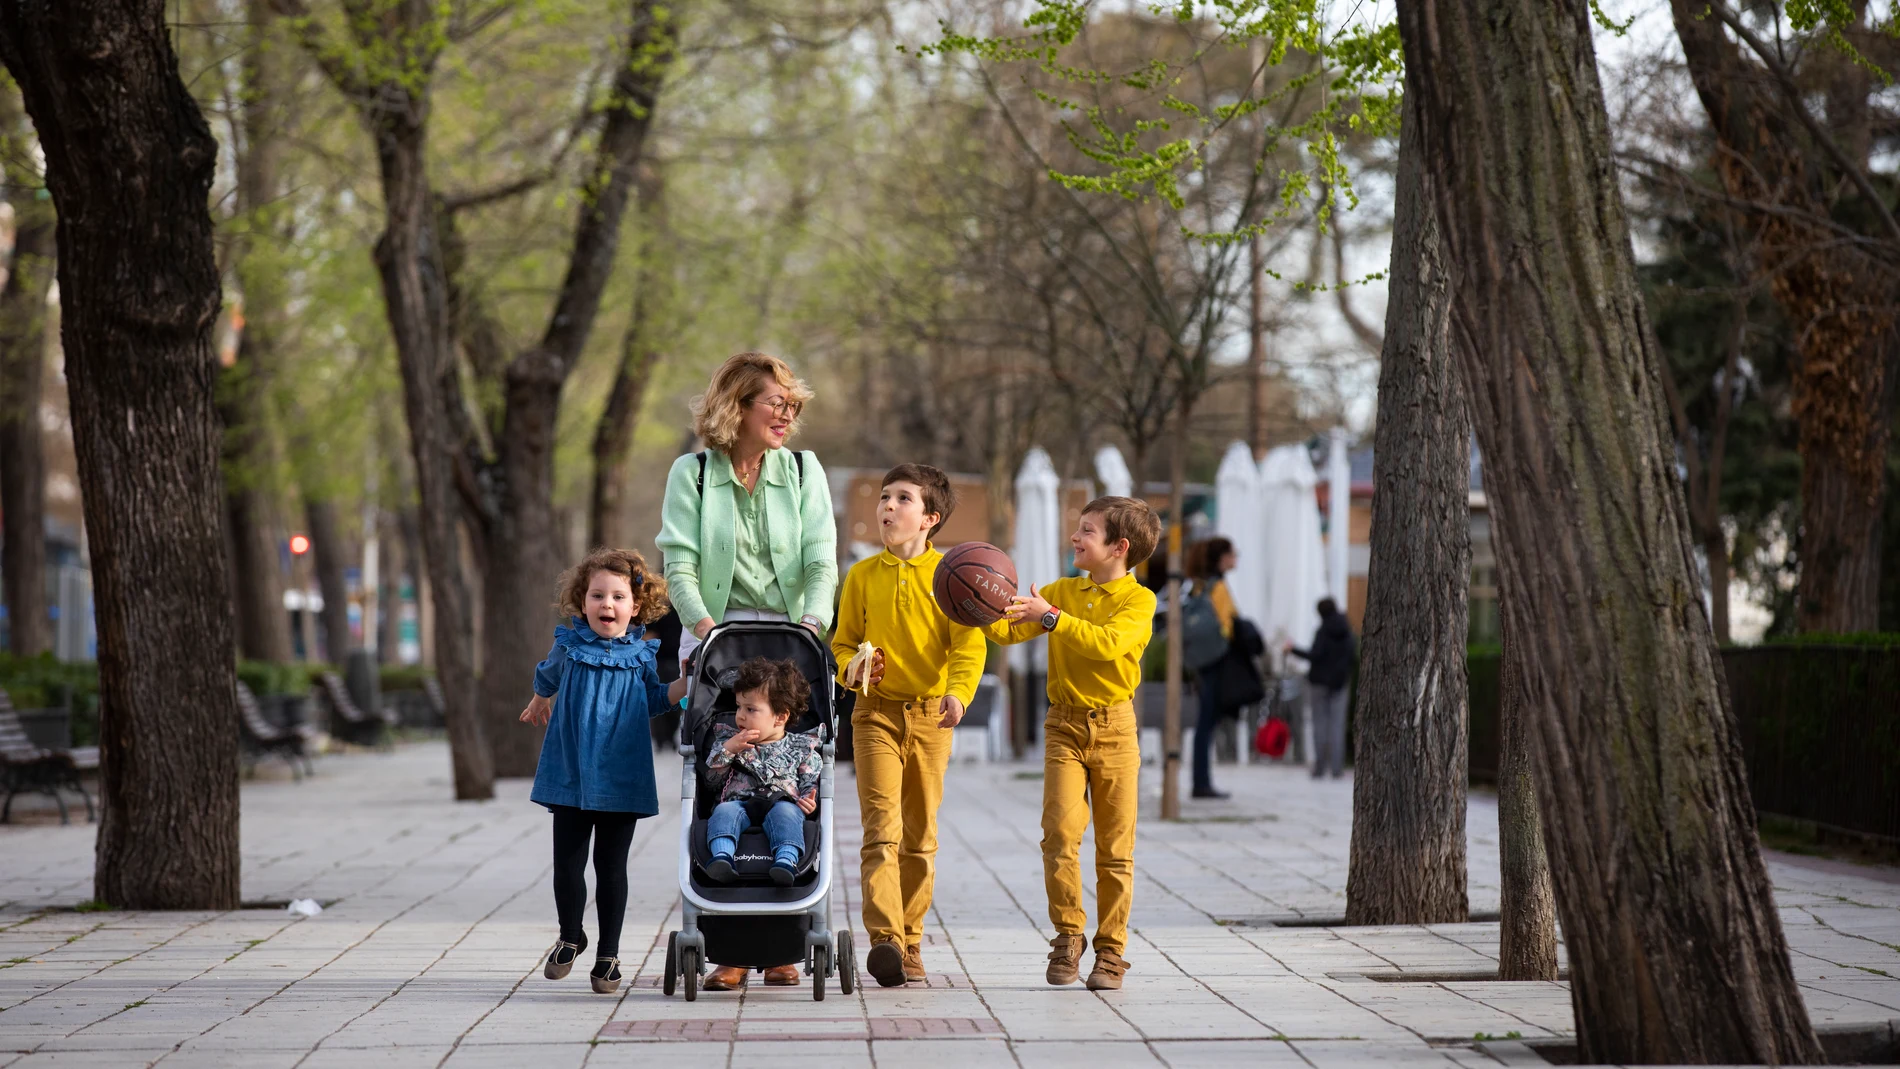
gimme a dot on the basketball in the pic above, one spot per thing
(975, 581)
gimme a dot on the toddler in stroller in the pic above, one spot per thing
(763, 776)
(756, 844)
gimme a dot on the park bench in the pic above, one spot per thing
(261, 738)
(26, 767)
(348, 720)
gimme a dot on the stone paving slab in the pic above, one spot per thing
(437, 914)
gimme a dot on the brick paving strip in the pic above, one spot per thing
(429, 953)
(870, 1028)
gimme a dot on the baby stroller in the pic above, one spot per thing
(751, 921)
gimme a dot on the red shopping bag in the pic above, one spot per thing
(1272, 737)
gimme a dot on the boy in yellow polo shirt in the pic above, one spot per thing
(1098, 624)
(922, 678)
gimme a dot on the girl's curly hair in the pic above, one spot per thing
(649, 588)
(741, 380)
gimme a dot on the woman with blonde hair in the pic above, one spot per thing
(747, 528)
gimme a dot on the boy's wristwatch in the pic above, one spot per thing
(1049, 619)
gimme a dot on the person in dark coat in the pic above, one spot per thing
(1329, 668)
(1207, 563)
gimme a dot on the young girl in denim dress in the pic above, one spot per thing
(595, 692)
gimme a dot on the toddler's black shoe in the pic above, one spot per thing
(782, 873)
(720, 869)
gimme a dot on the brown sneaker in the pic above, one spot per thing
(914, 965)
(1106, 975)
(885, 963)
(1065, 959)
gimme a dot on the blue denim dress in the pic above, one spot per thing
(598, 753)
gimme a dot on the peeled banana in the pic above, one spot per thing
(857, 672)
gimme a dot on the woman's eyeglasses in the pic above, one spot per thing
(782, 408)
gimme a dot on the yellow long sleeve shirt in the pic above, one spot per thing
(1095, 650)
(889, 603)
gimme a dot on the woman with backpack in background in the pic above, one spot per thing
(1220, 647)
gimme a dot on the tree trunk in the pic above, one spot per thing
(1410, 759)
(415, 299)
(250, 467)
(1171, 724)
(1838, 299)
(256, 569)
(1256, 350)
(130, 162)
(639, 355)
(519, 544)
(1715, 549)
(1527, 937)
(521, 561)
(1676, 953)
(332, 552)
(1839, 587)
(22, 367)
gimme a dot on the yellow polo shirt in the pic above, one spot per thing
(1095, 650)
(888, 602)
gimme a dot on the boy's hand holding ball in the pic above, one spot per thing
(1032, 607)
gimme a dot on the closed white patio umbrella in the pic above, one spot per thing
(1113, 472)
(1296, 555)
(1238, 517)
(1039, 540)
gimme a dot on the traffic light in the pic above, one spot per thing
(299, 545)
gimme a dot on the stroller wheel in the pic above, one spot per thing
(671, 977)
(820, 965)
(847, 964)
(689, 972)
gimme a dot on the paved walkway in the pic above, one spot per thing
(429, 951)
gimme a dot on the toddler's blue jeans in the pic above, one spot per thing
(784, 826)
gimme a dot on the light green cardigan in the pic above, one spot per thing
(697, 536)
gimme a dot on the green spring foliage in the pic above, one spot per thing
(1352, 67)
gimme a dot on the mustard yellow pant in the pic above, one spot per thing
(900, 754)
(1091, 762)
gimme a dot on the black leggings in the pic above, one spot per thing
(612, 834)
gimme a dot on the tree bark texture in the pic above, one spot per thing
(1838, 298)
(1171, 723)
(640, 353)
(333, 554)
(519, 541)
(1676, 953)
(613, 440)
(1410, 757)
(129, 161)
(250, 455)
(416, 301)
(1527, 908)
(394, 109)
(22, 373)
